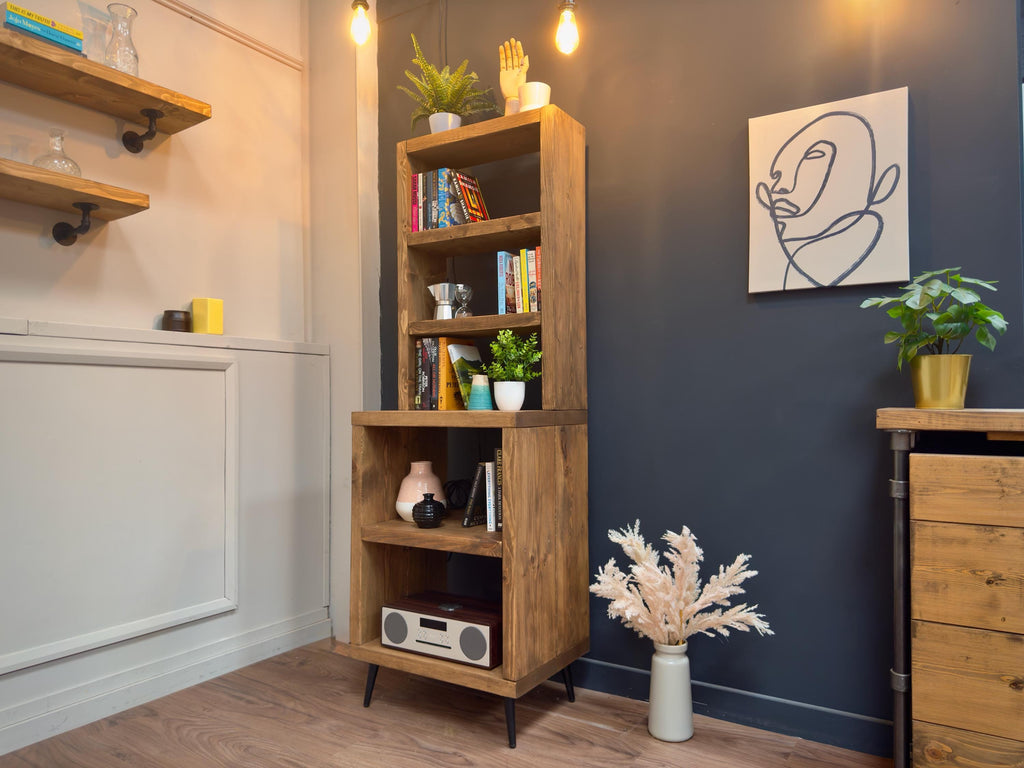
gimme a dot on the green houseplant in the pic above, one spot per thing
(513, 363)
(444, 91)
(937, 311)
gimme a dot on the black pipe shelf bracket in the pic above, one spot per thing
(133, 141)
(67, 234)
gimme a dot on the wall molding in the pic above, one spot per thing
(234, 34)
(28, 722)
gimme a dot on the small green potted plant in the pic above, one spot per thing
(512, 365)
(938, 311)
(450, 95)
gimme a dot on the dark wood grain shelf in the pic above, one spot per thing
(27, 184)
(449, 537)
(476, 326)
(508, 233)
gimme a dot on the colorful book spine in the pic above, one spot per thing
(431, 345)
(449, 395)
(414, 184)
(531, 272)
(419, 200)
(442, 198)
(504, 307)
(25, 20)
(524, 281)
(513, 295)
(418, 397)
(432, 191)
(497, 488)
(492, 524)
(476, 513)
(538, 278)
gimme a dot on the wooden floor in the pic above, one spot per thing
(304, 709)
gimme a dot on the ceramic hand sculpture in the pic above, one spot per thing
(512, 65)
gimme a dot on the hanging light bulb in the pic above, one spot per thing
(567, 38)
(360, 22)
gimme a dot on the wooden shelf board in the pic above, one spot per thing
(507, 233)
(478, 325)
(54, 71)
(38, 186)
(966, 420)
(449, 537)
(497, 139)
(470, 419)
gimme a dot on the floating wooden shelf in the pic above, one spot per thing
(500, 138)
(472, 419)
(59, 191)
(54, 71)
(449, 537)
(963, 420)
(478, 325)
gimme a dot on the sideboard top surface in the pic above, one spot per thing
(964, 420)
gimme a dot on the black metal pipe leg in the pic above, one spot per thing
(510, 721)
(567, 679)
(371, 678)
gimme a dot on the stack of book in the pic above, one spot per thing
(485, 505)
(444, 372)
(24, 20)
(444, 198)
(519, 281)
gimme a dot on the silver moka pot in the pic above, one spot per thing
(444, 295)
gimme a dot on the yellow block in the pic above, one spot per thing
(207, 315)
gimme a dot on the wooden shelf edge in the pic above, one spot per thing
(487, 680)
(994, 420)
(449, 537)
(479, 235)
(471, 419)
(37, 186)
(51, 70)
(478, 325)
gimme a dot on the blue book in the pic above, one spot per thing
(504, 258)
(23, 24)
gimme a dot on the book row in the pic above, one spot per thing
(519, 281)
(484, 504)
(24, 20)
(444, 198)
(445, 366)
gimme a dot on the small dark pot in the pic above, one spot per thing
(429, 512)
(176, 320)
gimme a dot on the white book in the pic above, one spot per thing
(492, 523)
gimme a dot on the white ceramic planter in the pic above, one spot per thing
(509, 395)
(442, 121)
(670, 717)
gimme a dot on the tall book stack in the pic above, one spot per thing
(444, 372)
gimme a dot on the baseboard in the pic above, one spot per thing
(808, 721)
(28, 722)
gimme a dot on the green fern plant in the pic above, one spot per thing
(514, 358)
(445, 90)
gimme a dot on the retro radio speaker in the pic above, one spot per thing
(448, 626)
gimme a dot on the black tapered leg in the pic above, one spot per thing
(371, 678)
(567, 679)
(510, 721)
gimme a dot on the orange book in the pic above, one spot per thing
(449, 395)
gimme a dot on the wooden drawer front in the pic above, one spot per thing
(937, 745)
(987, 490)
(971, 575)
(968, 678)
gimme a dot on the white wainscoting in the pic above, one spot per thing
(151, 439)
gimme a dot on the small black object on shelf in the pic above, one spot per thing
(429, 512)
(176, 320)
(67, 234)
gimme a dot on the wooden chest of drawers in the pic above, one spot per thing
(967, 610)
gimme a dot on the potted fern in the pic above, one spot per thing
(938, 311)
(513, 364)
(443, 96)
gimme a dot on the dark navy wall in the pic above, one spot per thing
(750, 418)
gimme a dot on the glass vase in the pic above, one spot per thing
(55, 159)
(121, 53)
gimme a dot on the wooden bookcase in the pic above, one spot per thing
(543, 543)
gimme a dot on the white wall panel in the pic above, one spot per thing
(119, 507)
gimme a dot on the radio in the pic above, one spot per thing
(460, 629)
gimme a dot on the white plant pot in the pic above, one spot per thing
(442, 121)
(509, 395)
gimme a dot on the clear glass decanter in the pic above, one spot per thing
(55, 159)
(121, 53)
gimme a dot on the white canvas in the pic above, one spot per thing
(828, 194)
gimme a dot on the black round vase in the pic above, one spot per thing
(429, 512)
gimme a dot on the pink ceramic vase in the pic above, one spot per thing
(421, 479)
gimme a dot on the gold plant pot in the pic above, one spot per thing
(940, 381)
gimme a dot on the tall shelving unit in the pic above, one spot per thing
(543, 543)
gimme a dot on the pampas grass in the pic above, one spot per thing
(668, 605)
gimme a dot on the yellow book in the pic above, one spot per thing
(524, 281)
(449, 394)
(39, 18)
